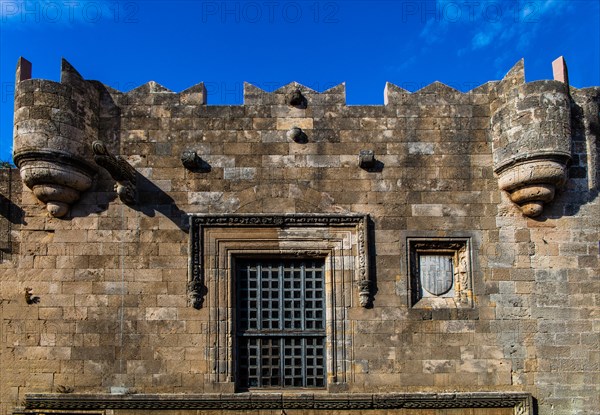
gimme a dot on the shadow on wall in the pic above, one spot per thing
(11, 212)
(586, 145)
(372, 255)
(10, 188)
(583, 179)
(151, 199)
(147, 197)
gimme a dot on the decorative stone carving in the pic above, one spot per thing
(364, 293)
(196, 292)
(64, 389)
(120, 170)
(531, 128)
(56, 178)
(196, 285)
(532, 183)
(51, 148)
(521, 402)
(437, 276)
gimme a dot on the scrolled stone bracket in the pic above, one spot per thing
(119, 169)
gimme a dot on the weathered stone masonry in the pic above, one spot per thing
(459, 235)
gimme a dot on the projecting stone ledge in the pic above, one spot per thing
(38, 403)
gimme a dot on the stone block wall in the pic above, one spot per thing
(109, 309)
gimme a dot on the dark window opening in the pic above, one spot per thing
(280, 323)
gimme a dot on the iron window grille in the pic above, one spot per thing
(280, 323)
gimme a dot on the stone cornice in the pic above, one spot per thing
(520, 401)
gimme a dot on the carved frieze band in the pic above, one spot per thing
(520, 401)
(198, 223)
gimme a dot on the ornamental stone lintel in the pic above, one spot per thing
(196, 283)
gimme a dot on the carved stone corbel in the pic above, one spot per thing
(119, 169)
(532, 183)
(364, 293)
(196, 292)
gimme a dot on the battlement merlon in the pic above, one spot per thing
(23, 70)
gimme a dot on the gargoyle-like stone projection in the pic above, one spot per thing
(54, 126)
(531, 129)
(118, 168)
(296, 99)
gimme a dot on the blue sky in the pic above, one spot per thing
(463, 43)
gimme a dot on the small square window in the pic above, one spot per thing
(439, 272)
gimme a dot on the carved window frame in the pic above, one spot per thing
(460, 250)
(217, 241)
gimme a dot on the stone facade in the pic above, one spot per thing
(458, 231)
